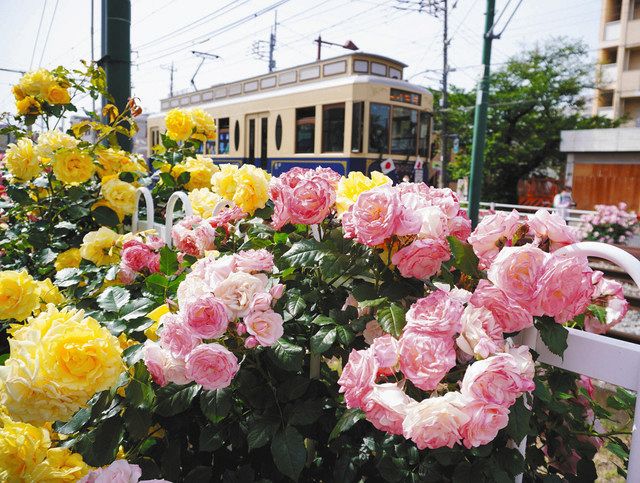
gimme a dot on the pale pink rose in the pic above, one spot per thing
(225, 216)
(493, 232)
(176, 337)
(435, 422)
(508, 313)
(120, 471)
(279, 194)
(564, 288)
(261, 302)
(191, 289)
(517, 272)
(459, 294)
(155, 242)
(386, 352)
(585, 383)
(372, 331)
(422, 258)
(348, 226)
(358, 377)
(501, 378)
(311, 200)
(212, 366)
(446, 200)
(385, 407)
(135, 255)
(481, 335)
(212, 270)
(374, 216)
(420, 189)
(552, 227)
(485, 420)
(238, 290)
(252, 261)
(241, 329)
(425, 360)
(265, 326)
(155, 359)
(328, 174)
(153, 264)
(438, 314)
(193, 236)
(251, 342)
(206, 317)
(295, 175)
(460, 226)
(126, 276)
(277, 291)
(608, 294)
(434, 223)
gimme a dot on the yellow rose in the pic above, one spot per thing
(19, 295)
(28, 105)
(49, 293)
(57, 95)
(179, 125)
(224, 181)
(203, 201)
(205, 125)
(23, 448)
(119, 194)
(21, 160)
(72, 166)
(200, 171)
(115, 161)
(151, 331)
(252, 188)
(50, 141)
(60, 466)
(97, 246)
(18, 93)
(68, 259)
(37, 83)
(57, 362)
(349, 188)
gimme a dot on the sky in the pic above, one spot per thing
(47, 33)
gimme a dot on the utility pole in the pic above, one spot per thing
(444, 132)
(116, 55)
(93, 101)
(480, 119)
(171, 69)
(272, 44)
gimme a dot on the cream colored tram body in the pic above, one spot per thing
(353, 112)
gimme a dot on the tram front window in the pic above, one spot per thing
(223, 136)
(305, 129)
(379, 128)
(423, 138)
(333, 128)
(404, 126)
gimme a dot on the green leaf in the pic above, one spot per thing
(211, 438)
(19, 195)
(183, 178)
(105, 216)
(286, 355)
(167, 180)
(137, 308)
(156, 283)
(306, 412)
(294, 306)
(113, 299)
(215, 405)
(598, 312)
(288, 451)
(174, 399)
(99, 447)
(618, 450)
(392, 319)
(304, 253)
(519, 421)
(292, 388)
(372, 302)
(140, 393)
(79, 419)
(322, 340)
(464, 257)
(168, 261)
(332, 265)
(346, 421)
(127, 177)
(137, 421)
(364, 291)
(261, 430)
(323, 320)
(68, 277)
(552, 334)
(389, 470)
(200, 474)
(345, 335)
(280, 238)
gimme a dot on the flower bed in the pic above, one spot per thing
(610, 224)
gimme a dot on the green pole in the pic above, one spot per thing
(116, 55)
(480, 119)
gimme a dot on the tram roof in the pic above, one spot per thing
(352, 64)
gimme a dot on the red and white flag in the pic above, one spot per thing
(419, 163)
(387, 165)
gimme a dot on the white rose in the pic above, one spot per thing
(238, 290)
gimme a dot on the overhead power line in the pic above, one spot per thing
(35, 43)
(46, 39)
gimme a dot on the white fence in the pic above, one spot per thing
(571, 215)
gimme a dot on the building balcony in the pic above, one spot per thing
(629, 85)
(611, 31)
(607, 75)
(633, 32)
(606, 111)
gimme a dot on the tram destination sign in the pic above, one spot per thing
(406, 97)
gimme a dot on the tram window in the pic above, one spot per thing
(333, 128)
(357, 127)
(379, 128)
(236, 135)
(305, 129)
(278, 132)
(404, 126)
(223, 135)
(423, 134)
(210, 147)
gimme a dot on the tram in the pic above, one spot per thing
(353, 112)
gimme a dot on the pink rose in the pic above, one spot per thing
(225, 216)
(277, 291)
(176, 337)
(372, 331)
(608, 294)
(434, 223)
(385, 407)
(126, 276)
(517, 271)
(564, 289)
(279, 192)
(446, 200)
(438, 315)
(374, 216)
(425, 360)
(501, 378)
(238, 290)
(435, 422)
(507, 312)
(386, 352)
(481, 335)
(329, 175)
(206, 317)
(422, 259)
(212, 270)
(485, 420)
(252, 261)
(251, 342)
(311, 201)
(193, 236)
(120, 471)
(155, 359)
(135, 255)
(154, 242)
(552, 227)
(265, 326)
(261, 302)
(492, 233)
(358, 377)
(460, 226)
(212, 366)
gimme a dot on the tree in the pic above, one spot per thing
(533, 97)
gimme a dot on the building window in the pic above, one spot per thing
(236, 135)
(423, 134)
(333, 128)
(305, 129)
(379, 128)
(223, 135)
(278, 132)
(357, 127)
(404, 126)
(155, 136)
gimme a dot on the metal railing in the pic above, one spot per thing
(571, 215)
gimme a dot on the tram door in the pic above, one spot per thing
(257, 129)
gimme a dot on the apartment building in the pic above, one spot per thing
(619, 59)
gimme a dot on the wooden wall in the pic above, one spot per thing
(595, 184)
